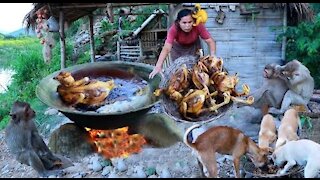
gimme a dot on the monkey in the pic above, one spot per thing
(25, 143)
(272, 90)
(300, 84)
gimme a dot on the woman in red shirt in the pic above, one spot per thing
(183, 39)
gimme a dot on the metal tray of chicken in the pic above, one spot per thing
(271, 171)
(171, 108)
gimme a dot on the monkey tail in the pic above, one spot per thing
(188, 138)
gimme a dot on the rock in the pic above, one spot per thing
(70, 140)
(113, 174)
(120, 164)
(165, 173)
(51, 111)
(93, 159)
(153, 176)
(5, 167)
(106, 170)
(129, 171)
(5, 171)
(150, 171)
(248, 176)
(96, 166)
(105, 162)
(160, 130)
(78, 175)
(159, 168)
(139, 172)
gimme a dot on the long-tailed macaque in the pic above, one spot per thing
(24, 141)
(300, 83)
(272, 90)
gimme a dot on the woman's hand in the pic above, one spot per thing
(155, 71)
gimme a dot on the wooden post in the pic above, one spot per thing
(118, 50)
(91, 38)
(140, 49)
(170, 15)
(284, 39)
(62, 40)
(173, 11)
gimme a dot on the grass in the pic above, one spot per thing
(24, 56)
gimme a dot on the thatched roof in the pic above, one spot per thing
(303, 10)
(71, 11)
(74, 11)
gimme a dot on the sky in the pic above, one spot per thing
(11, 16)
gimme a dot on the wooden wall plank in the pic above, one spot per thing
(246, 44)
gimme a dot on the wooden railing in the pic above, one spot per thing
(129, 53)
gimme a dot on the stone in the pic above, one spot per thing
(51, 112)
(165, 173)
(96, 166)
(160, 130)
(121, 166)
(70, 140)
(106, 170)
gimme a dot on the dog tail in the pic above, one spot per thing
(187, 137)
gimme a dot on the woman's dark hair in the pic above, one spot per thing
(182, 13)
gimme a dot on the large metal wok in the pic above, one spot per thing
(46, 91)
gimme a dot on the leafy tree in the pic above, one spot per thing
(303, 44)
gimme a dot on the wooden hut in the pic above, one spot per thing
(246, 41)
(66, 13)
(145, 41)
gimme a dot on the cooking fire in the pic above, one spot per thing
(117, 142)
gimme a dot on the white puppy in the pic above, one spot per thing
(299, 152)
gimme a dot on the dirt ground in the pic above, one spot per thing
(9, 167)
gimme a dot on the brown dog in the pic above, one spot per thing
(224, 140)
(267, 133)
(288, 127)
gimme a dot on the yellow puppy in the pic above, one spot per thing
(288, 127)
(267, 133)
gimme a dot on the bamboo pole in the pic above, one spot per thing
(103, 5)
(118, 50)
(62, 40)
(284, 39)
(91, 38)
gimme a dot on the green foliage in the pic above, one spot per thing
(303, 44)
(4, 122)
(315, 7)
(107, 26)
(146, 11)
(306, 121)
(74, 27)
(24, 56)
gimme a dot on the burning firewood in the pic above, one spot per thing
(116, 143)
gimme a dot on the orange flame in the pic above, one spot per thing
(117, 142)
